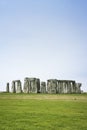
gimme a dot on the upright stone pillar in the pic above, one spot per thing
(38, 84)
(31, 85)
(13, 89)
(73, 87)
(68, 86)
(43, 87)
(78, 87)
(58, 87)
(64, 87)
(26, 86)
(34, 85)
(52, 86)
(19, 87)
(7, 88)
(61, 86)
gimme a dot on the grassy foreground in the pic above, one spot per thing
(43, 112)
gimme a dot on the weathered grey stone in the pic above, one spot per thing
(60, 86)
(52, 86)
(68, 87)
(78, 87)
(65, 86)
(16, 86)
(73, 86)
(38, 85)
(43, 87)
(7, 88)
(34, 85)
(31, 85)
(26, 86)
(19, 87)
(13, 89)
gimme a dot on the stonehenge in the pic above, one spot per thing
(13, 89)
(31, 85)
(53, 86)
(78, 88)
(7, 88)
(63, 86)
(16, 86)
(43, 87)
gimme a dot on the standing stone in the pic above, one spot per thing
(19, 87)
(38, 85)
(7, 88)
(64, 87)
(34, 85)
(73, 87)
(13, 89)
(60, 86)
(68, 87)
(43, 87)
(52, 86)
(31, 85)
(26, 86)
(78, 87)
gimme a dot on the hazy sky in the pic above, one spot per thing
(44, 39)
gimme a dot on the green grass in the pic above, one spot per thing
(43, 112)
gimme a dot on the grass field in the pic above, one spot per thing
(43, 112)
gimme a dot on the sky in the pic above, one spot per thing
(46, 39)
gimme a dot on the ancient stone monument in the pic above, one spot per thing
(13, 89)
(43, 87)
(26, 86)
(63, 86)
(78, 88)
(16, 86)
(7, 88)
(52, 86)
(31, 85)
(19, 87)
(55, 86)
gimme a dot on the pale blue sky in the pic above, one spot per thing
(44, 39)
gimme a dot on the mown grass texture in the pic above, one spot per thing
(43, 112)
